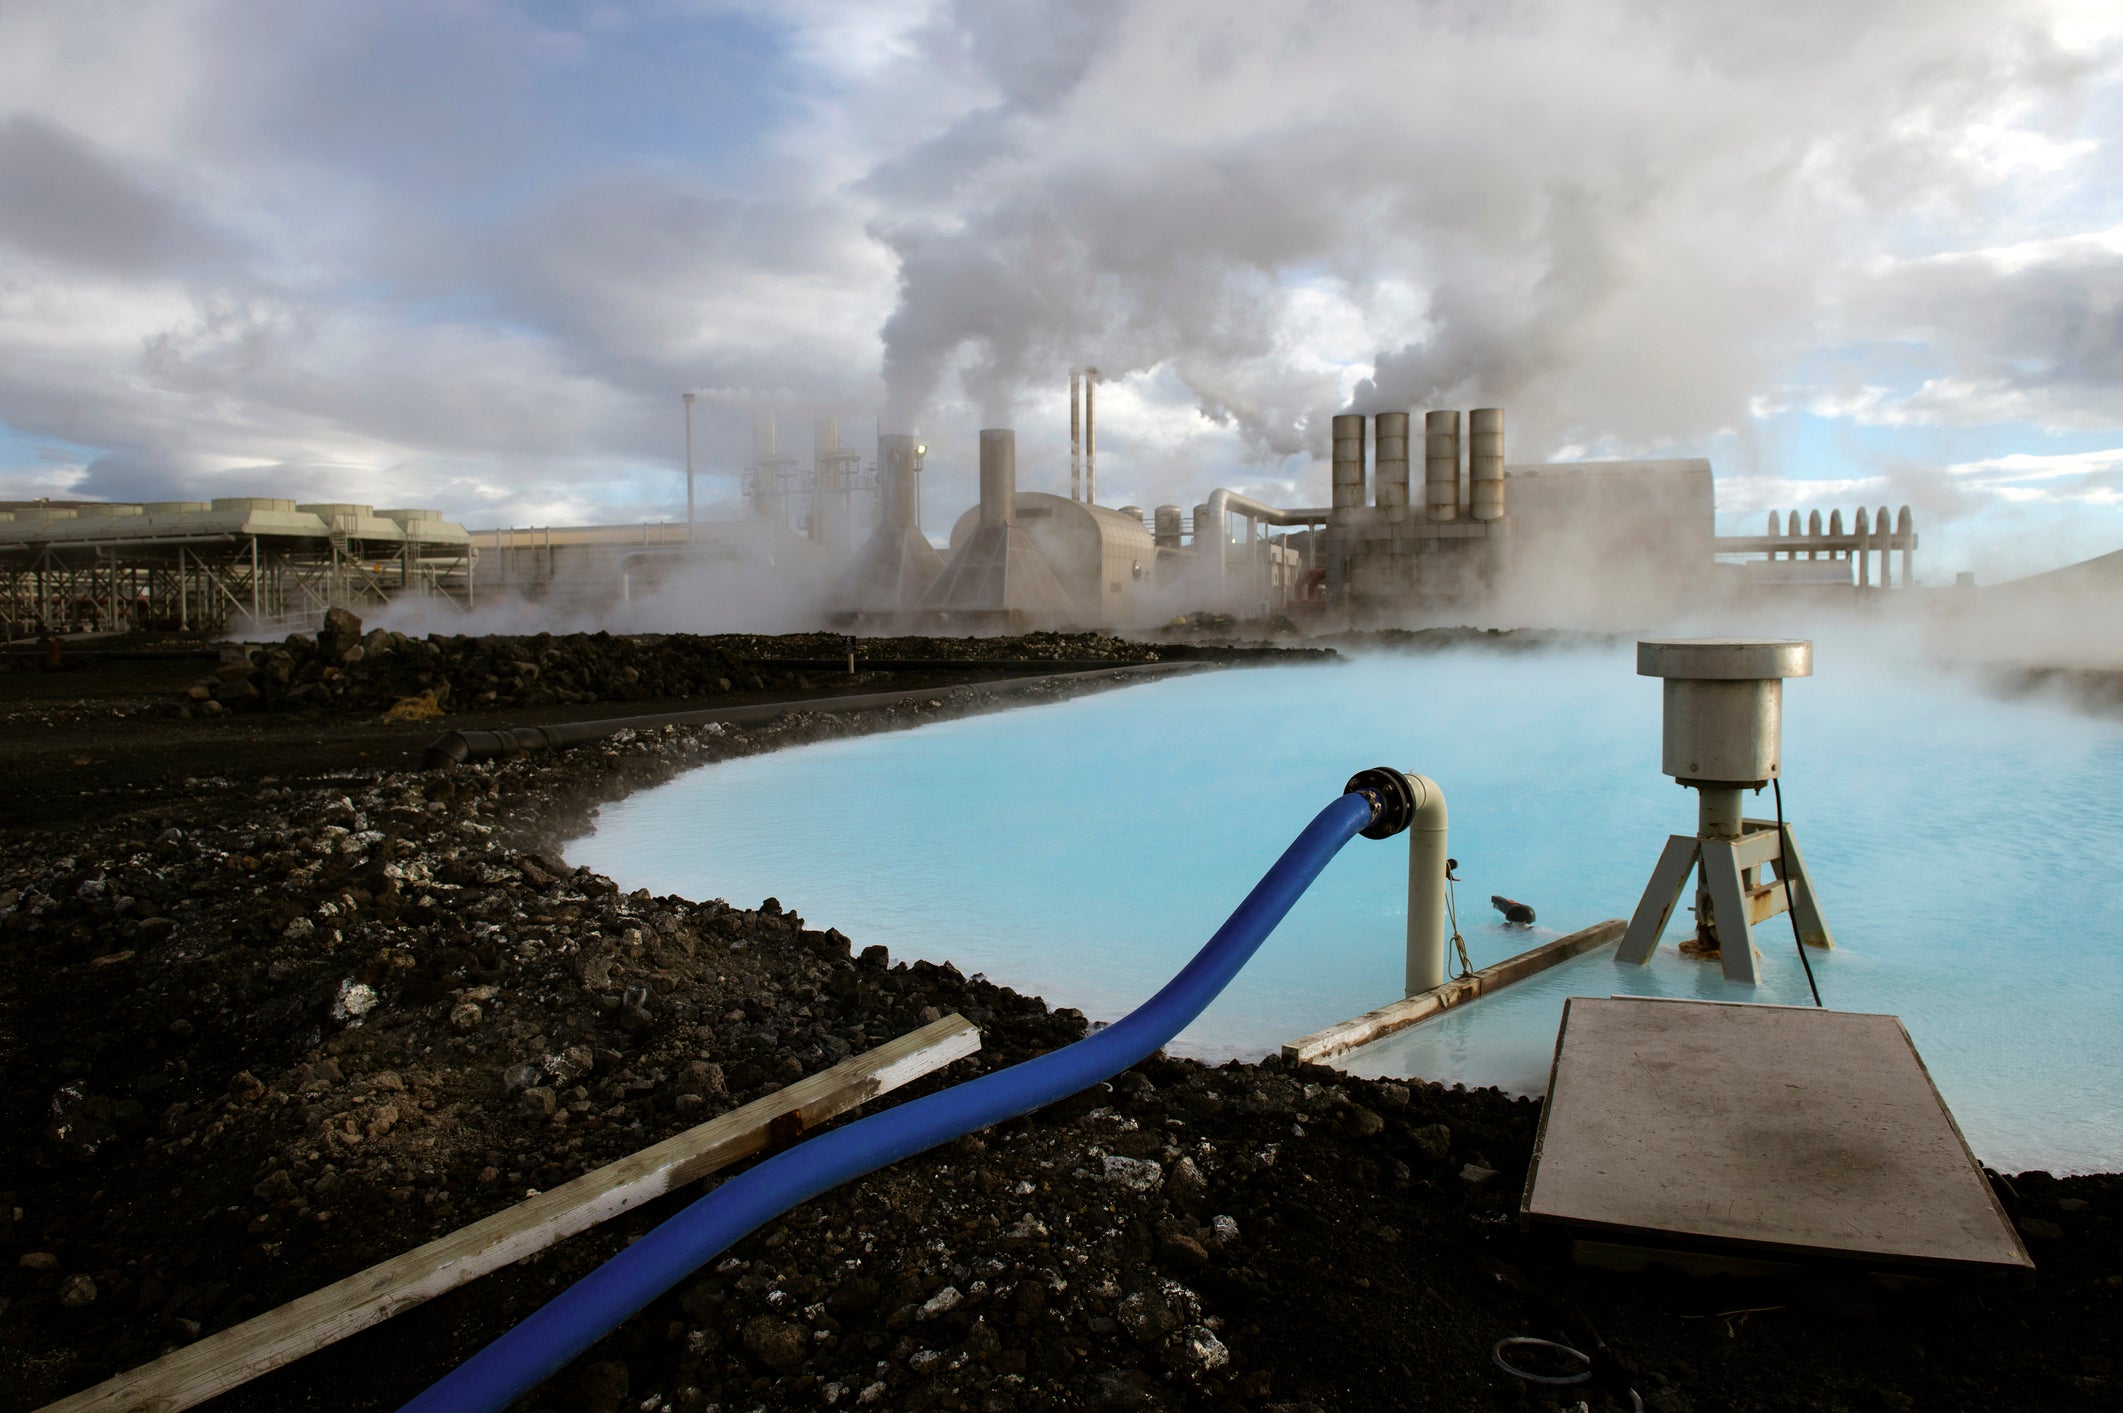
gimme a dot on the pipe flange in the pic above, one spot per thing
(1390, 792)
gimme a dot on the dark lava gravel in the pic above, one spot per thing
(255, 1037)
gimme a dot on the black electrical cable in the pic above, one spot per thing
(1784, 877)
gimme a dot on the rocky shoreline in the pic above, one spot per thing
(258, 1033)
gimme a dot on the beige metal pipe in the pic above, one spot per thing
(1441, 465)
(1485, 462)
(1389, 455)
(1426, 887)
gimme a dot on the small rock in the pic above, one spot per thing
(539, 1101)
(1435, 1141)
(38, 1261)
(1199, 1346)
(1474, 1174)
(602, 1386)
(354, 1000)
(297, 930)
(1134, 1174)
(1226, 1229)
(2040, 1229)
(1182, 1252)
(942, 1302)
(1362, 1122)
(776, 1343)
(77, 1291)
(246, 1086)
(520, 1077)
(465, 1016)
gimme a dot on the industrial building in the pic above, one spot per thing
(243, 563)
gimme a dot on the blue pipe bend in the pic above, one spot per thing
(585, 1312)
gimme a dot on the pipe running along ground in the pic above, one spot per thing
(584, 1313)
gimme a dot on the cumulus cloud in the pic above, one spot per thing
(475, 251)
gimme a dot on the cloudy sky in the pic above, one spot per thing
(468, 253)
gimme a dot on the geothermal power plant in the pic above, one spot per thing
(1427, 517)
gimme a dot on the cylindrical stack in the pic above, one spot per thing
(1863, 530)
(998, 476)
(1441, 465)
(1776, 531)
(1076, 435)
(1205, 533)
(1171, 525)
(1348, 461)
(1090, 435)
(1485, 462)
(897, 488)
(1905, 530)
(1883, 535)
(1389, 455)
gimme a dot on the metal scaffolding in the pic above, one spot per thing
(251, 565)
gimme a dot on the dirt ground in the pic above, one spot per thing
(275, 1005)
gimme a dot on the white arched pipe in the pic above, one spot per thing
(1426, 886)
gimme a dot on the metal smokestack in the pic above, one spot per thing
(1076, 435)
(1441, 465)
(1389, 457)
(1090, 437)
(998, 477)
(1348, 461)
(898, 489)
(1485, 462)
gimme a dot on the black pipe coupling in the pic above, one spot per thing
(1392, 801)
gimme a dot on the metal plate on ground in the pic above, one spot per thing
(1766, 1130)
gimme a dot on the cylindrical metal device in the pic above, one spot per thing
(1441, 465)
(1485, 462)
(1348, 461)
(1791, 527)
(1905, 530)
(1389, 457)
(1207, 533)
(1813, 533)
(898, 490)
(1133, 512)
(998, 476)
(1724, 705)
(1776, 531)
(1171, 526)
(1863, 531)
(1883, 534)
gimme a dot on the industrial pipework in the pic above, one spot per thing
(1372, 804)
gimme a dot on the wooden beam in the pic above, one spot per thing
(1424, 1004)
(233, 1356)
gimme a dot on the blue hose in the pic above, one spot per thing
(585, 1312)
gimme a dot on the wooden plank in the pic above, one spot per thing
(233, 1356)
(1424, 1004)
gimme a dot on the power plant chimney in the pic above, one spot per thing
(1090, 437)
(998, 477)
(1485, 462)
(1348, 461)
(1441, 465)
(1076, 435)
(1389, 456)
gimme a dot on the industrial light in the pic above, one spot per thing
(921, 450)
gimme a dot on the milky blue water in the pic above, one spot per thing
(1968, 853)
